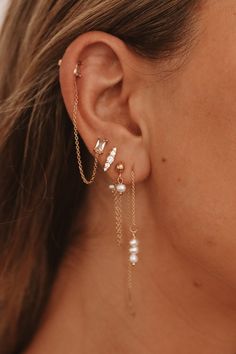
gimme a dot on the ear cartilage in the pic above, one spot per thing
(110, 159)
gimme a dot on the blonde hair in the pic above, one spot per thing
(40, 187)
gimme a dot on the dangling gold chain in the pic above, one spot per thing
(77, 144)
(133, 230)
(118, 217)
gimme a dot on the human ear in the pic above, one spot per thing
(107, 89)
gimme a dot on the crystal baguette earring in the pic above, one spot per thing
(110, 159)
(100, 144)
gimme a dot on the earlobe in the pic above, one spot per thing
(95, 67)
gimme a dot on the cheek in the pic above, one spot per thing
(195, 167)
(194, 139)
(197, 210)
(196, 182)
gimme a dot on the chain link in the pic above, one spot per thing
(133, 230)
(133, 227)
(77, 144)
(118, 217)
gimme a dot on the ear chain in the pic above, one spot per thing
(118, 188)
(118, 215)
(133, 228)
(101, 143)
(134, 243)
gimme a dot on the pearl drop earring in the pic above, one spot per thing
(120, 187)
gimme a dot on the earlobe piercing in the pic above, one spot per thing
(119, 187)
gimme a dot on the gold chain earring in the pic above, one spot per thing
(118, 190)
(100, 144)
(133, 257)
(133, 243)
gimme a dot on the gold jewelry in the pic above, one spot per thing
(100, 144)
(133, 228)
(134, 243)
(118, 190)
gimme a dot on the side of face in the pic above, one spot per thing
(177, 131)
(192, 129)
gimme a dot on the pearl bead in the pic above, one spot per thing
(111, 186)
(133, 259)
(134, 249)
(134, 242)
(121, 188)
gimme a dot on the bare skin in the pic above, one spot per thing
(179, 133)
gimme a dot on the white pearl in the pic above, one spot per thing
(133, 259)
(134, 242)
(134, 250)
(121, 188)
(111, 186)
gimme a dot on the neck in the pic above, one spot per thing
(180, 307)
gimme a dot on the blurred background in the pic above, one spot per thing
(3, 6)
